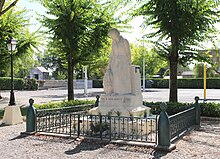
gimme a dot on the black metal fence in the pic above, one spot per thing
(98, 126)
(182, 122)
(160, 130)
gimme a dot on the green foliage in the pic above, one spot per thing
(207, 109)
(19, 84)
(153, 62)
(6, 6)
(14, 23)
(210, 109)
(199, 71)
(188, 21)
(172, 107)
(31, 84)
(179, 26)
(192, 83)
(5, 83)
(78, 29)
(63, 104)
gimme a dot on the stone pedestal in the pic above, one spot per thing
(125, 104)
(12, 115)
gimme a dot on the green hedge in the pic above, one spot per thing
(207, 109)
(63, 104)
(182, 83)
(210, 109)
(55, 105)
(172, 107)
(19, 84)
(188, 83)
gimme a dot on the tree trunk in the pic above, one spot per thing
(173, 81)
(173, 60)
(70, 77)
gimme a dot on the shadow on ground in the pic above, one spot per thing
(87, 145)
(21, 136)
(158, 154)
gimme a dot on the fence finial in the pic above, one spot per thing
(31, 101)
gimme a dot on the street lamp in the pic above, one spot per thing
(143, 66)
(11, 44)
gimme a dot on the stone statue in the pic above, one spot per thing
(117, 79)
(122, 82)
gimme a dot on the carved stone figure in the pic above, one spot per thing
(122, 82)
(117, 79)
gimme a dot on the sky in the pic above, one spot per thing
(134, 36)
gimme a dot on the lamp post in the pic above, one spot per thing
(86, 82)
(143, 66)
(11, 44)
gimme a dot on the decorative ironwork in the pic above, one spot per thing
(181, 122)
(57, 120)
(97, 126)
(115, 127)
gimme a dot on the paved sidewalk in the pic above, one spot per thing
(151, 95)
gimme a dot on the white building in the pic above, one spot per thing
(39, 73)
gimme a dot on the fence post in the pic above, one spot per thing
(78, 133)
(31, 118)
(198, 112)
(100, 121)
(164, 131)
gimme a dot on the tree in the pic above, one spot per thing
(179, 25)
(4, 7)
(199, 71)
(14, 24)
(80, 28)
(153, 62)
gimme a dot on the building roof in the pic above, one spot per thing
(42, 69)
(187, 73)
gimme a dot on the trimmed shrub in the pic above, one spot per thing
(172, 107)
(19, 84)
(63, 104)
(212, 83)
(5, 83)
(210, 109)
(187, 83)
(207, 109)
(31, 84)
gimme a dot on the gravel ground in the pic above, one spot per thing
(203, 143)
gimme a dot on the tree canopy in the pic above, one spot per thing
(179, 25)
(6, 6)
(14, 23)
(79, 28)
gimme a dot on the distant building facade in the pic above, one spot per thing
(187, 74)
(39, 73)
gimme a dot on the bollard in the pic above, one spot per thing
(163, 127)
(31, 118)
(198, 112)
(164, 131)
